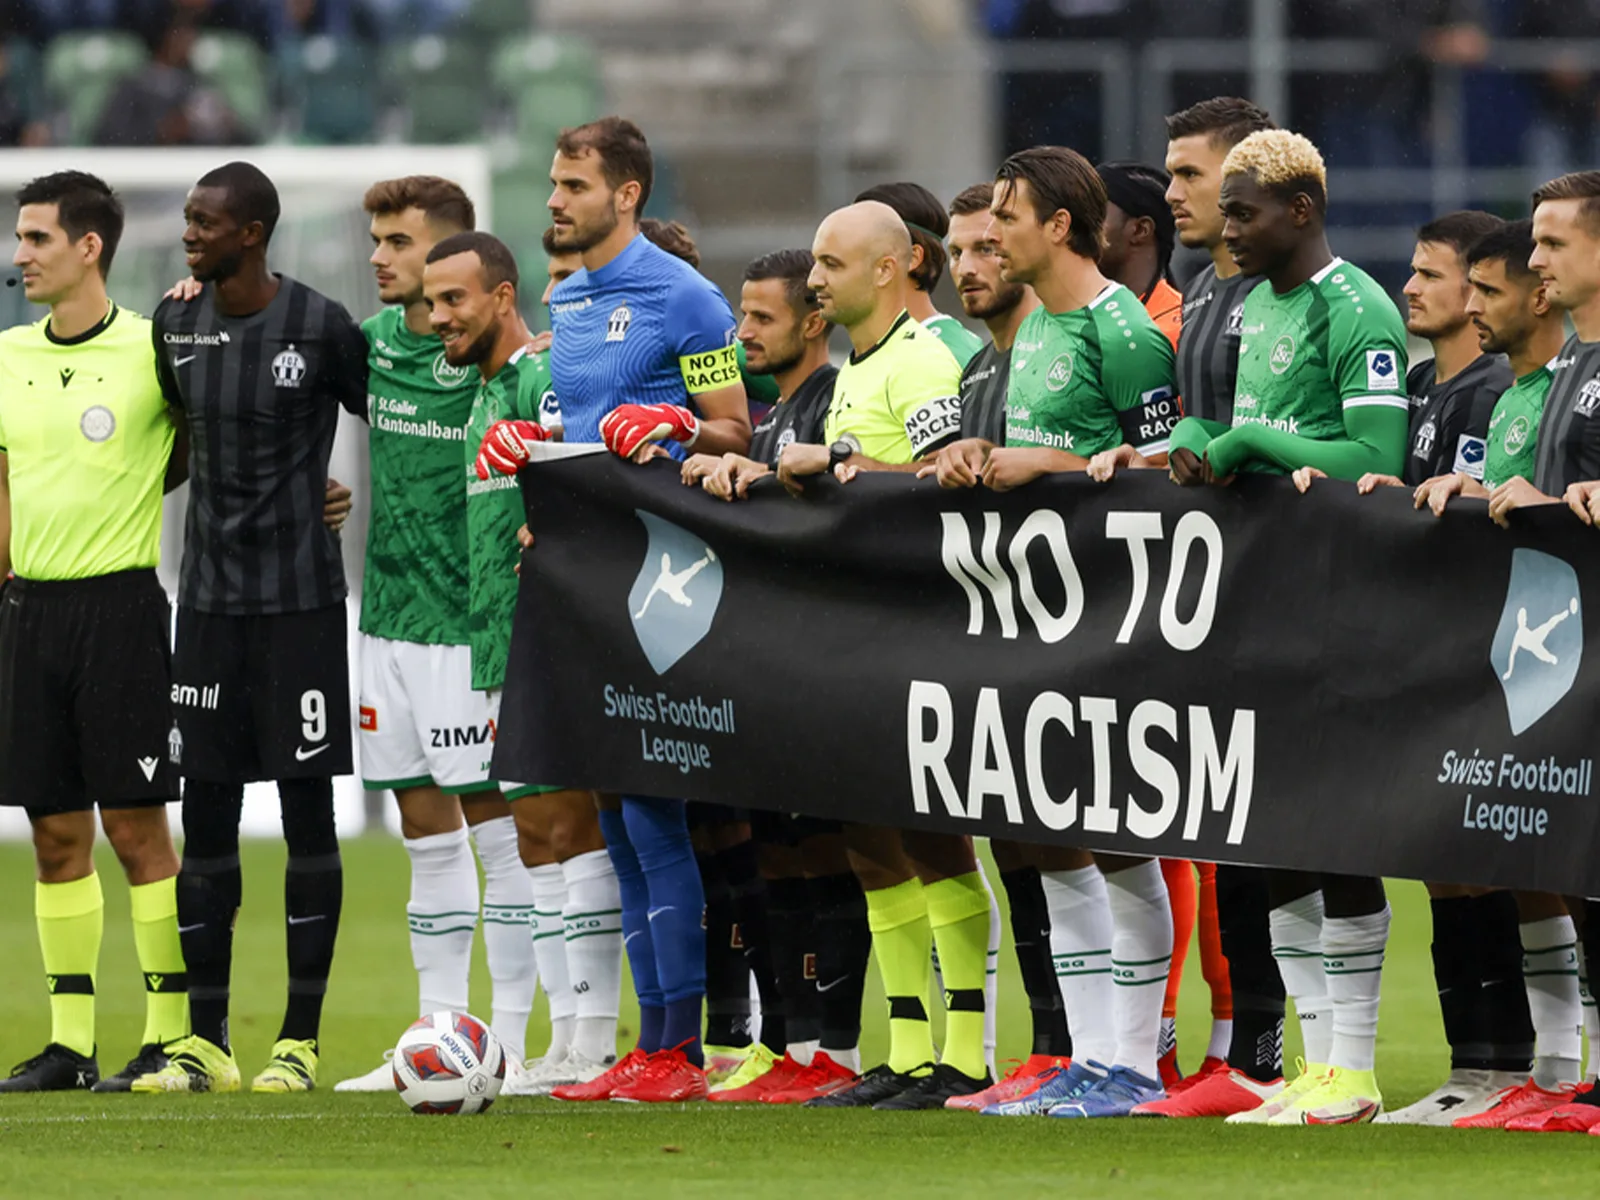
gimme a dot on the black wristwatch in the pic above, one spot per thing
(839, 453)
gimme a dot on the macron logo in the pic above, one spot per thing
(1539, 643)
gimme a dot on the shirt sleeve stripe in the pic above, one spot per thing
(1378, 402)
(1151, 449)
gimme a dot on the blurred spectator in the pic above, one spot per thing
(331, 18)
(1563, 135)
(150, 19)
(414, 18)
(18, 125)
(43, 19)
(165, 103)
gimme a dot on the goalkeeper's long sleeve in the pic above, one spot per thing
(1374, 442)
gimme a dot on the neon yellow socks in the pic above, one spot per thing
(902, 942)
(71, 919)
(155, 936)
(958, 913)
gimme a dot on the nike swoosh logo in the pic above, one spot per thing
(191, 928)
(656, 912)
(178, 362)
(308, 920)
(301, 754)
(828, 987)
(630, 937)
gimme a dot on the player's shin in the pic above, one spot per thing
(592, 921)
(958, 918)
(1457, 972)
(660, 838)
(155, 937)
(209, 891)
(509, 902)
(1508, 1020)
(748, 892)
(1141, 953)
(71, 920)
(844, 946)
(902, 941)
(1352, 960)
(1255, 984)
(1297, 946)
(313, 895)
(1080, 943)
(795, 945)
(634, 893)
(1030, 936)
(1550, 967)
(443, 915)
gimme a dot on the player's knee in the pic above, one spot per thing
(63, 847)
(425, 812)
(142, 842)
(574, 825)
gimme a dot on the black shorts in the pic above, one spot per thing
(789, 829)
(262, 697)
(85, 679)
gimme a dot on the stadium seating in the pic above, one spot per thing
(234, 65)
(438, 83)
(549, 82)
(81, 69)
(330, 81)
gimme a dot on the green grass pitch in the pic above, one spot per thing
(347, 1146)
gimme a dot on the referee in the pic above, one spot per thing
(85, 442)
(259, 366)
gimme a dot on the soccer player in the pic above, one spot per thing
(928, 225)
(1140, 232)
(895, 401)
(1247, 996)
(259, 366)
(1319, 386)
(85, 680)
(638, 325)
(426, 734)
(578, 929)
(1090, 370)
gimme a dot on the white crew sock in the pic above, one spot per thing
(1591, 1016)
(507, 909)
(991, 976)
(1221, 1037)
(1352, 961)
(443, 914)
(1297, 947)
(1550, 972)
(550, 948)
(1080, 943)
(592, 923)
(1141, 956)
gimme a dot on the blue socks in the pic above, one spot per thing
(636, 941)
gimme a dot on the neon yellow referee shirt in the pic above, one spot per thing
(901, 399)
(87, 436)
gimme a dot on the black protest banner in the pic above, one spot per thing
(1327, 682)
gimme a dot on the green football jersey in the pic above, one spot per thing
(495, 512)
(957, 338)
(1513, 437)
(1333, 343)
(1092, 378)
(417, 404)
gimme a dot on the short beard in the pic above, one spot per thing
(777, 366)
(225, 269)
(478, 349)
(1438, 334)
(1006, 298)
(580, 241)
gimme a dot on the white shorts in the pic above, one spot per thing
(421, 721)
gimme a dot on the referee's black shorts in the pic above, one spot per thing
(85, 694)
(262, 697)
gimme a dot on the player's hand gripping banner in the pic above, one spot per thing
(1331, 682)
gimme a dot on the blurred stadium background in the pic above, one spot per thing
(764, 114)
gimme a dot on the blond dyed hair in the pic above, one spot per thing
(1280, 161)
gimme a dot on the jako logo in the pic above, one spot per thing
(676, 594)
(1539, 643)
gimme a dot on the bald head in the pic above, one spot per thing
(863, 257)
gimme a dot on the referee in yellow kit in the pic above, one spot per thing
(85, 659)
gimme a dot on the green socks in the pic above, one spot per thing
(155, 936)
(71, 918)
(902, 942)
(958, 912)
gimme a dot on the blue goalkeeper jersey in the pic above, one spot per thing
(646, 328)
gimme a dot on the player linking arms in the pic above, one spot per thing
(1320, 385)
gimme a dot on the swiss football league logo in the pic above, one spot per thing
(1539, 642)
(675, 597)
(288, 368)
(1383, 373)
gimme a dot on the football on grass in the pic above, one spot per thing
(448, 1062)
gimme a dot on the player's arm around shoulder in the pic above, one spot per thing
(346, 360)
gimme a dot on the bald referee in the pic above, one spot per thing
(260, 366)
(85, 441)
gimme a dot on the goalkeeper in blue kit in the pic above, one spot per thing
(643, 352)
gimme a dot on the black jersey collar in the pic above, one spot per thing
(93, 331)
(881, 342)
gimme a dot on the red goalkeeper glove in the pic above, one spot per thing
(630, 426)
(505, 447)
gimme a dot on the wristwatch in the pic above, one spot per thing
(840, 452)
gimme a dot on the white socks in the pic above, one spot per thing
(1080, 943)
(1221, 1038)
(550, 948)
(991, 977)
(1352, 962)
(1591, 1017)
(507, 908)
(1550, 972)
(1141, 956)
(592, 926)
(443, 913)
(1297, 947)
